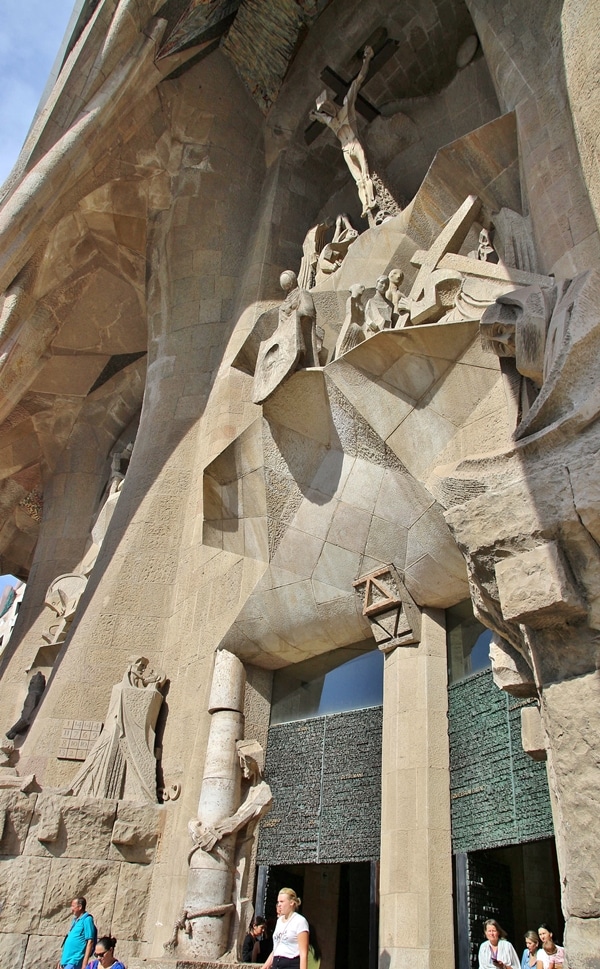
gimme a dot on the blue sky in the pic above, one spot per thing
(31, 33)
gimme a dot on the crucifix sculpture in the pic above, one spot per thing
(341, 119)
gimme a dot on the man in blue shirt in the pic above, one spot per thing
(80, 940)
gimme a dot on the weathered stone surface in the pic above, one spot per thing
(511, 671)
(135, 832)
(12, 948)
(71, 827)
(14, 874)
(535, 589)
(19, 810)
(131, 901)
(96, 880)
(532, 733)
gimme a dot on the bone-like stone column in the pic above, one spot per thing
(211, 875)
(416, 918)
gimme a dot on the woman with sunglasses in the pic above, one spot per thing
(104, 955)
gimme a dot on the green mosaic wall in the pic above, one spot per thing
(499, 795)
(325, 774)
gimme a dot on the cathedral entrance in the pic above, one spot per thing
(340, 902)
(518, 885)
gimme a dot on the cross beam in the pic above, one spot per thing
(341, 87)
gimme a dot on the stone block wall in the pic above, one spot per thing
(53, 848)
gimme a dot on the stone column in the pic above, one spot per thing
(416, 927)
(565, 666)
(211, 875)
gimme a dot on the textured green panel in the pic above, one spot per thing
(325, 774)
(499, 794)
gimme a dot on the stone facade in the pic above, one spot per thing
(188, 467)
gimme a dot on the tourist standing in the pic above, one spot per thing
(290, 938)
(80, 939)
(497, 952)
(104, 954)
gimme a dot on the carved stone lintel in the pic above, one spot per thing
(394, 615)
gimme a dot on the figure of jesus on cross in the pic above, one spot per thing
(342, 121)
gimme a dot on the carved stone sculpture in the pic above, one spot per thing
(334, 252)
(379, 310)
(254, 806)
(121, 764)
(294, 343)
(352, 332)
(394, 615)
(485, 251)
(313, 244)
(393, 293)
(217, 874)
(37, 685)
(342, 121)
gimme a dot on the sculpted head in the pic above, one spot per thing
(288, 280)
(382, 284)
(325, 106)
(396, 276)
(252, 757)
(498, 329)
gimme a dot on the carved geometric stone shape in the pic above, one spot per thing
(532, 733)
(77, 738)
(534, 588)
(510, 670)
(277, 359)
(394, 616)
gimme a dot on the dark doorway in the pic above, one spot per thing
(352, 937)
(340, 901)
(518, 885)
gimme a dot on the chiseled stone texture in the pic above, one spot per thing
(534, 588)
(158, 225)
(77, 827)
(19, 813)
(12, 948)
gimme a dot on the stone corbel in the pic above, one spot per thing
(388, 605)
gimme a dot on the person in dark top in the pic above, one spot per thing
(257, 945)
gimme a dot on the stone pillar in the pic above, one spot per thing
(211, 875)
(416, 927)
(565, 666)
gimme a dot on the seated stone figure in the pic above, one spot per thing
(552, 334)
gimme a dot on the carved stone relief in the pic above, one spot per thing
(294, 343)
(122, 763)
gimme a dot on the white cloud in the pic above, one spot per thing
(31, 32)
